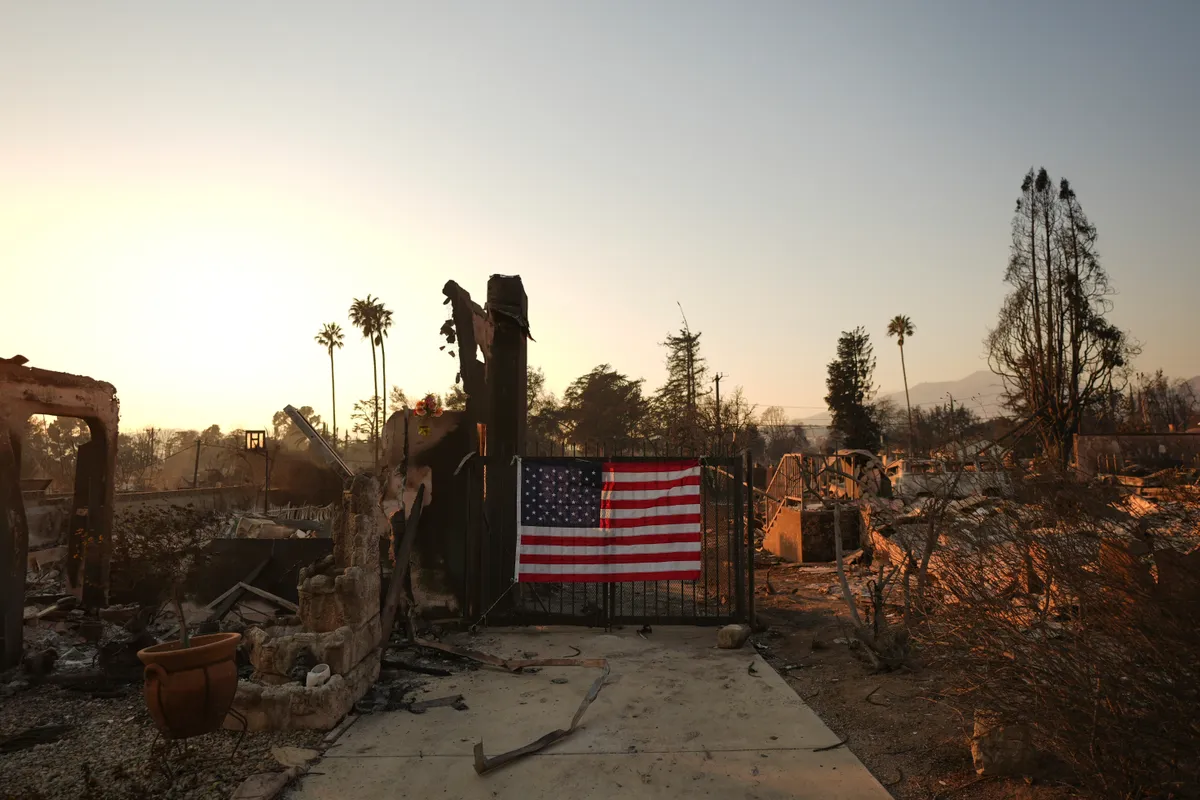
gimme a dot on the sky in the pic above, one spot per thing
(188, 191)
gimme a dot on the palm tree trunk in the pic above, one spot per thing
(375, 402)
(383, 360)
(907, 402)
(333, 389)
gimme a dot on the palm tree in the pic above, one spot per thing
(902, 327)
(331, 337)
(362, 316)
(383, 323)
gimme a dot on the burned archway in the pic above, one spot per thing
(25, 391)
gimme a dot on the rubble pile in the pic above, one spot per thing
(72, 714)
(107, 747)
(1151, 538)
(73, 719)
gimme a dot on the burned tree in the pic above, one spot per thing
(1052, 346)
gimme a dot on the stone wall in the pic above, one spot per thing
(339, 626)
(222, 498)
(807, 535)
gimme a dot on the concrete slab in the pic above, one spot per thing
(678, 718)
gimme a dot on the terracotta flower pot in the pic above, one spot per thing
(189, 690)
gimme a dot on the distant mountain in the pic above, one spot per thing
(980, 391)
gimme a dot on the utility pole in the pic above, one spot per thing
(720, 432)
(266, 478)
(953, 432)
(196, 469)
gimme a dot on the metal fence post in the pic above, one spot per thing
(734, 479)
(748, 470)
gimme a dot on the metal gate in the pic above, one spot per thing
(723, 593)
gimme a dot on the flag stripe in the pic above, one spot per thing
(599, 569)
(690, 510)
(642, 500)
(644, 485)
(609, 577)
(651, 466)
(654, 475)
(610, 558)
(686, 550)
(546, 530)
(628, 540)
(660, 519)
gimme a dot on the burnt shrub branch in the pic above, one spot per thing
(156, 548)
(1060, 613)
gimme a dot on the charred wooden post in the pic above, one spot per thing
(90, 544)
(467, 319)
(14, 545)
(508, 307)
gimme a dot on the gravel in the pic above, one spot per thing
(113, 752)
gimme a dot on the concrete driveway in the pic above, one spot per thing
(678, 718)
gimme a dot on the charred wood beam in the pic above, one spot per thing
(464, 312)
(318, 443)
(404, 526)
(507, 379)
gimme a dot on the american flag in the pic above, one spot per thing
(591, 520)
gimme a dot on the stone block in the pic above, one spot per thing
(1179, 577)
(266, 785)
(320, 608)
(297, 707)
(731, 637)
(294, 756)
(358, 591)
(359, 525)
(274, 655)
(1002, 749)
(329, 602)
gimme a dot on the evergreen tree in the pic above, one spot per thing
(677, 403)
(850, 392)
(603, 406)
